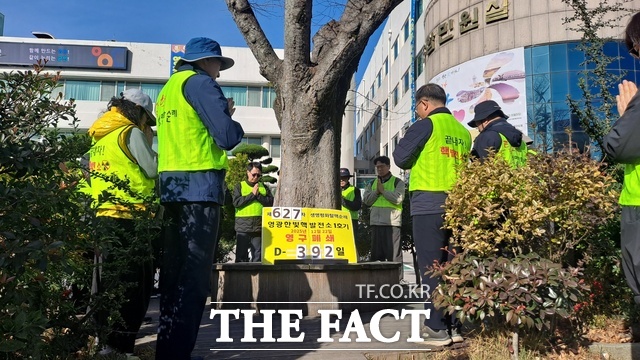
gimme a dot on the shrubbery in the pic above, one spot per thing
(527, 235)
(48, 231)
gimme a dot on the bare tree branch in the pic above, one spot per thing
(245, 19)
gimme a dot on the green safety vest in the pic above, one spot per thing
(107, 158)
(254, 208)
(448, 146)
(381, 201)
(516, 157)
(630, 194)
(350, 193)
(184, 143)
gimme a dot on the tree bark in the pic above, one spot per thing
(311, 88)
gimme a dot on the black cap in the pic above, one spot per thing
(344, 172)
(484, 110)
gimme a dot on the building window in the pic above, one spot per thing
(254, 140)
(394, 142)
(385, 109)
(419, 63)
(386, 150)
(405, 29)
(386, 66)
(238, 93)
(275, 147)
(373, 92)
(379, 79)
(82, 90)
(253, 96)
(268, 97)
(405, 82)
(396, 96)
(419, 9)
(108, 90)
(395, 49)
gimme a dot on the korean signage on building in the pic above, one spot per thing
(465, 21)
(177, 52)
(306, 234)
(67, 56)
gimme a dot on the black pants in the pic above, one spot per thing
(138, 279)
(189, 241)
(386, 245)
(630, 244)
(429, 239)
(246, 242)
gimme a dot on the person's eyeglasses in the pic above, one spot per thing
(634, 51)
(255, 174)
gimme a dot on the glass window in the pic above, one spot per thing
(574, 88)
(119, 88)
(373, 92)
(256, 140)
(132, 85)
(275, 147)
(627, 61)
(396, 96)
(373, 127)
(254, 96)
(395, 49)
(611, 49)
(379, 79)
(108, 90)
(558, 57)
(238, 93)
(419, 9)
(419, 63)
(385, 65)
(541, 88)
(385, 109)
(540, 59)
(559, 86)
(82, 90)
(57, 90)
(529, 85)
(574, 56)
(394, 142)
(268, 97)
(153, 90)
(405, 82)
(405, 29)
(386, 150)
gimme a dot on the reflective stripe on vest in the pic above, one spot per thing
(448, 146)
(350, 194)
(107, 158)
(253, 208)
(630, 194)
(184, 143)
(389, 185)
(515, 157)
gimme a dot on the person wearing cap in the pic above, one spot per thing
(432, 148)
(385, 195)
(121, 146)
(497, 134)
(249, 197)
(195, 130)
(351, 199)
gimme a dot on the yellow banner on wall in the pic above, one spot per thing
(306, 234)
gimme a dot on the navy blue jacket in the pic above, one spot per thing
(205, 96)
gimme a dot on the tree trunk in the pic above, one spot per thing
(311, 88)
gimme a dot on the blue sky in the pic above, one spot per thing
(160, 21)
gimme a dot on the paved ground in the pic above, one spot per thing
(340, 348)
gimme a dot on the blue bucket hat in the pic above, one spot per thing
(202, 48)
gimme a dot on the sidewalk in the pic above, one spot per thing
(310, 348)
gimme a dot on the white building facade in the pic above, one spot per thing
(384, 96)
(92, 72)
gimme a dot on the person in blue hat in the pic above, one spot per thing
(195, 130)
